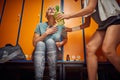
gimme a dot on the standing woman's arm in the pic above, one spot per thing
(87, 10)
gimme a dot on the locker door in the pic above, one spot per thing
(31, 18)
(1, 7)
(10, 22)
(74, 47)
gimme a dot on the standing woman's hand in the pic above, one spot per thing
(68, 29)
(61, 16)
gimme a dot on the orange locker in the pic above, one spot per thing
(74, 47)
(31, 17)
(10, 22)
(1, 7)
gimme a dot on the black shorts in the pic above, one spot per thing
(114, 20)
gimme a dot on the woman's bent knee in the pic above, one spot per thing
(107, 50)
(50, 42)
(40, 43)
(90, 50)
(40, 46)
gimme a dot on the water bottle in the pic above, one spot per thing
(57, 11)
(67, 58)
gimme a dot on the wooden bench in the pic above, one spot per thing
(66, 70)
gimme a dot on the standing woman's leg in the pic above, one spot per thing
(92, 47)
(110, 43)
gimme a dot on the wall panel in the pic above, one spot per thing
(10, 22)
(31, 18)
(74, 46)
(1, 6)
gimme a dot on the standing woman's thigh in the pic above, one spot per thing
(95, 42)
(112, 38)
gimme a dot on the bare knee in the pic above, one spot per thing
(107, 50)
(90, 50)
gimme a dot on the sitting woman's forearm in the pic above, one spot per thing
(39, 38)
(63, 42)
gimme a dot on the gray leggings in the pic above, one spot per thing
(49, 48)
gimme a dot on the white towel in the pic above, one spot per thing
(108, 8)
